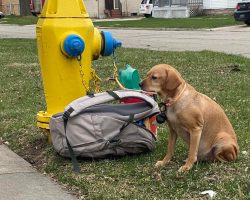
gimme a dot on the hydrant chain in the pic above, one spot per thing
(83, 80)
(79, 59)
(115, 59)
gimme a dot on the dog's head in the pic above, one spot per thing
(162, 79)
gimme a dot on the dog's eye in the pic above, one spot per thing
(154, 77)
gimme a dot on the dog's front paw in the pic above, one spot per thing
(185, 168)
(160, 164)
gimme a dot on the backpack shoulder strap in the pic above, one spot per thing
(65, 117)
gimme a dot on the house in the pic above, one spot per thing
(95, 8)
(112, 8)
(222, 6)
(15, 7)
(186, 8)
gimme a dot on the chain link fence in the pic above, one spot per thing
(196, 7)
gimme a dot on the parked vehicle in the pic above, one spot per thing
(242, 12)
(1, 14)
(146, 8)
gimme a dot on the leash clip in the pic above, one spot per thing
(161, 118)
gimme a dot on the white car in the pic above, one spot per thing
(1, 14)
(146, 8)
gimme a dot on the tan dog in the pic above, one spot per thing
(193, 116)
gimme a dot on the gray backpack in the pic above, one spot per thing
(91, 128)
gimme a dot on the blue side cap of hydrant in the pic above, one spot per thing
(109, 43)
(73, 45)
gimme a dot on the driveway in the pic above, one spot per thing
(232, 40)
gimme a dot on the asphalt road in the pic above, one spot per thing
(232, 40)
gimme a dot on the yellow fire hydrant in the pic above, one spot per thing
(67, 43)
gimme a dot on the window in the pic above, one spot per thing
(116, 4)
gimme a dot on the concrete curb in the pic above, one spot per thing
(20, 181)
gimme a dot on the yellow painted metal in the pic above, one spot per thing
(61, 74)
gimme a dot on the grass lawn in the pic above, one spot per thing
(24, 20)
(224, 78)
(190, 23)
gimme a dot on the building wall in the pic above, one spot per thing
(130, 7)
(221, 4)
(224, 11)
(95, 8)
(11, 7)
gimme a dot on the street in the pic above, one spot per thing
(232, 40)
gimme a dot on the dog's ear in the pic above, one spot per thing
(173, 79)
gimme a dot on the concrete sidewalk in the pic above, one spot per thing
(20, 181)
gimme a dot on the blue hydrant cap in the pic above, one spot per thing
(109, 43)
(73, 45)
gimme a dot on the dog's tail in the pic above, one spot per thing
(226, 148)
(226, 152)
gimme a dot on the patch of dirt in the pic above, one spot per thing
(35, 153)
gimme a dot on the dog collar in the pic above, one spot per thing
(170, 103)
